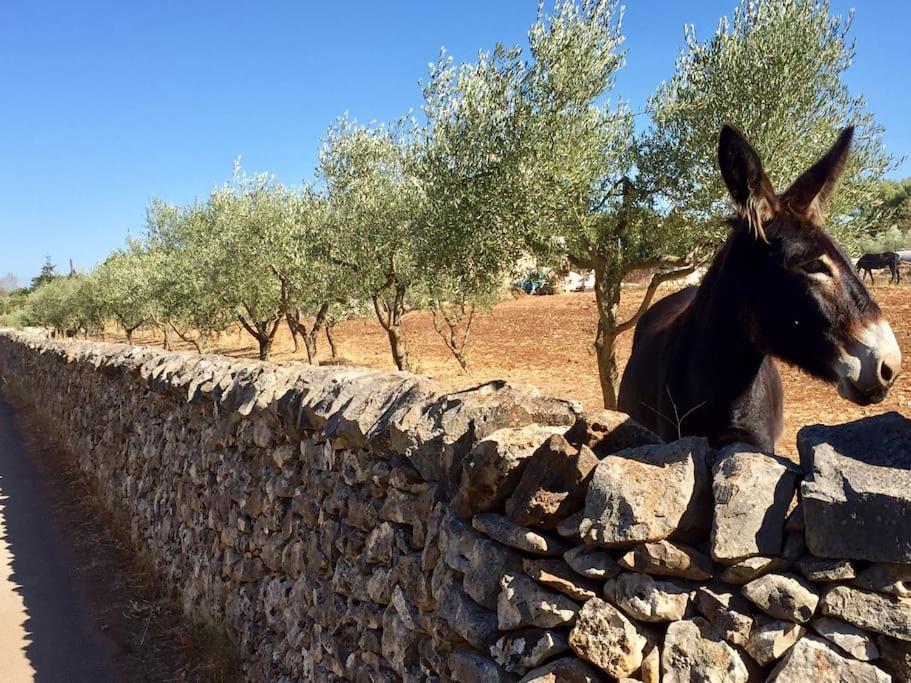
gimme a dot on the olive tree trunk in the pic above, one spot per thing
(389, 313)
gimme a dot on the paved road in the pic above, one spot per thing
(46, 633)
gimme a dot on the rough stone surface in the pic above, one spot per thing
(728, 613)
(470, 667)
(518, 651)
(783, 596)
(312, 514)
(570, 528)
(752, 492)
(593, 563)
(552, 486)
(558, 575)
(607, 639)
(895, 657)
(693, 651)
(852, 640)
(564, 670)
(886, 614)
(488, 561)
(664, 558)
(795, 546)
(770, 640)
(435, 433)
(857, 493)
(650, 671)
(505, 531)
(822, 570)
(650, 493)
(607, 432)
(464, 616)
(813, 659)
(752, 568)
(524, 602)
(491, 471)
(886, 578)
(647, 599)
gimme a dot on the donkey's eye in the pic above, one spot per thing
(816, 266)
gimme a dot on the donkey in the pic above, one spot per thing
(779, 287)
(887, 259)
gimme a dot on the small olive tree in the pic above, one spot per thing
(88, 306)
(375, 204)
(52, 305)
(123, 288)
(310, 280)
(187, 302)
(468, 165)
(234, 244)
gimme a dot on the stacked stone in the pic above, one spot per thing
(605, 554)
(348, 524)
(297, 508)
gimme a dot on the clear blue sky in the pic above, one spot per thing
(105, 104)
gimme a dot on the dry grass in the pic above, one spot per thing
(547, 341)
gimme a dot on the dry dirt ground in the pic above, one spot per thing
(547, 341)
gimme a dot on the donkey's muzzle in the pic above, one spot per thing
(869, 365)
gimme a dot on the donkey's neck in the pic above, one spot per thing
(715, 324)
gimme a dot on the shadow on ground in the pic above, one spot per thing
(61, 642)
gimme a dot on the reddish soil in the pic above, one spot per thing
(547, 341)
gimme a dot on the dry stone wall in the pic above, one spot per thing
(348, 524)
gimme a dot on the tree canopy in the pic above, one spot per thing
(515, 154)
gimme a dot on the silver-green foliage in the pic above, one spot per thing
(123, 288)
(375, 205)
(775, 70)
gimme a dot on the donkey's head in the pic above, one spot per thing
(803, 300)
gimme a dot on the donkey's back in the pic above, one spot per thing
(886, 259)
(867, 263)
(642, 398)
(665, 386)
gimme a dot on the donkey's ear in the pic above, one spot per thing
(809, 193)
(742, 171)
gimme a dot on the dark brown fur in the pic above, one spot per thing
(867, 263)
(702, 358)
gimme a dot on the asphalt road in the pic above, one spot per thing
(46, 631)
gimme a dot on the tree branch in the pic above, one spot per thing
(580, 263)
(379, 313)
(657, 280)
(623, 182)
(248, 327)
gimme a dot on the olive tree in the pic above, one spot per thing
(623, 205)
(581, 150)
(187, 302)
(468, 165)
(123, 288)
(775, 70)
(244, 221)
(375, 204)
(87, 306)
(51, 305)
(310, 281)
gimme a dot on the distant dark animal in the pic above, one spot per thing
(904, 256)
(867, 263)
(779, 287)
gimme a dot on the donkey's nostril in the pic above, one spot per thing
(886, 373)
